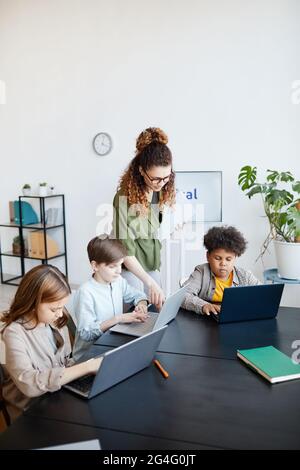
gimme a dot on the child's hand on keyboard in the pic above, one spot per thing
(133, 317)
(93, 365)
(208, 308)
(142, 308)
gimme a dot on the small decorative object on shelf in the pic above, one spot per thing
(51, 190)
(41, 235)
(26, 190)
(43, 189)
(16, 246)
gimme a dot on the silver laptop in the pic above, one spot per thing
(155, 320)
(119, 364)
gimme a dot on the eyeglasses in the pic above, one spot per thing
(158, 180)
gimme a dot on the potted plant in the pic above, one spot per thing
(43, 189)
(26, 189)
(280, 194)
(16, 246)
(52, 190)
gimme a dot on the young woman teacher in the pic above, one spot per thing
(145, 188)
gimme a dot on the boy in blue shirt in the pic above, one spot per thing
(98, 303)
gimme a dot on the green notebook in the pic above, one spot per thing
(272, 364)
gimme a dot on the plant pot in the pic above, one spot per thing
(26, 192)
(16, 249)
(288, 259)
(43, 191)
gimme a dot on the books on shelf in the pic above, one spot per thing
(54, 216)
(36, 245)
(270, 363)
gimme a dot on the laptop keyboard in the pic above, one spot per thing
(146, 326)
(83, 384)
(140, 328)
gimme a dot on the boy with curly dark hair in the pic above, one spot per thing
(208, 281)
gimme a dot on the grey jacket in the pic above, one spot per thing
(202, 286)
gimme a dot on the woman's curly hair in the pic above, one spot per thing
(228, 238)
(151, 150)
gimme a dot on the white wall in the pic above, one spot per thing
(215, 75)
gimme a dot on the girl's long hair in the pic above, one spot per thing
(42, 284)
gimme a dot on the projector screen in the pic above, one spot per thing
(201, 188)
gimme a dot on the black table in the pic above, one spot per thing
(207, 401)
(200, 335)
(211, 399)
(35, 433)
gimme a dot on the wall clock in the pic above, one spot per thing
(102, 143)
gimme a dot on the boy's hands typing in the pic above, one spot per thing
(132, 317)
(142, 307)
(207, 309)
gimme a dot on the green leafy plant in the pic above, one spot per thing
(280, 194)
(43, 184)
(26, 186)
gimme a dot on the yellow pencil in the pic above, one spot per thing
(161, 369)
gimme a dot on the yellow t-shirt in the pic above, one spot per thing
(220, 286)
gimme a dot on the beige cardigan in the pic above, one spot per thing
(31, 367)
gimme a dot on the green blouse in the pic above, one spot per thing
(138, 233)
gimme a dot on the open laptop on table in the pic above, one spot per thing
(155, 320)
(119, 364)
(246, 303)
